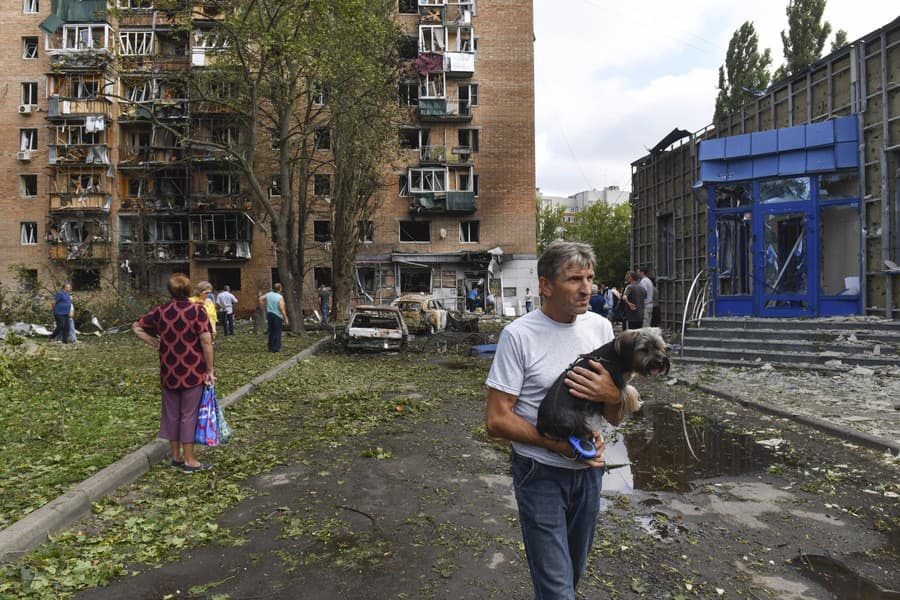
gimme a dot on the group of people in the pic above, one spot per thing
(634, 307)
(475, 298)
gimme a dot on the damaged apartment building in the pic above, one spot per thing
(789, 207)
(102, 190)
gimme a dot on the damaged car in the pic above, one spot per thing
(376, 328)
(422, 313)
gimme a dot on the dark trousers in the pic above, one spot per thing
(61, 331)
(626, 325)
(276, 324)
(229, 323)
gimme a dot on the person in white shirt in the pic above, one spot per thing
(558, 495)
(647, 284)
(226, 300)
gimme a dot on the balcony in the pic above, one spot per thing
(87, 251)
(459, 64)
(92, 41)
(445, 155)
(444, 110)
(219, 251)
(78, 154)
(236, 201)
(84, 201)
(59, 107)
(462, 203)
(176, 60)
(155, 252)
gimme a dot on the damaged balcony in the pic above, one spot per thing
(163, 190)
(219, 237)
(446, 48)
(79, 144)
(445, 155)
(81, 240)
(218, 191)
(437, 190)
(162, 240)
(81, 191)
(152, 50)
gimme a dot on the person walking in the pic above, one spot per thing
(324, 302)
(62, 310)
(647, 284)
(634, 297)
(529, 300)
(179, 330)
(558, 496)
(226, 301)
(276, 316)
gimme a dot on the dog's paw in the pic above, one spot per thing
(631, 399)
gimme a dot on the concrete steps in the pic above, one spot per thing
(826, 344)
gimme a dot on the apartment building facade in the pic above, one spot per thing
(103, 191)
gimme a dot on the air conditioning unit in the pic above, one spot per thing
(25, 109)
(24, 155)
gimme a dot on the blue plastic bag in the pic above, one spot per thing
(207, 432)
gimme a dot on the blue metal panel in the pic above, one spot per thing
(846, 129)
(712, 149)
(764, 142)
(791, 138)
(741, 168)
(820, 159)
(714, 170)
(791, 163)
(765, 166)
(820, 134)
(847, 155)
(737, 145)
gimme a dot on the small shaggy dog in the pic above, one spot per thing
(562, 416)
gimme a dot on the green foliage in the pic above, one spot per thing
(607, 229)
(805, 37)
(744, 69)
(550, 224)
(839, 41)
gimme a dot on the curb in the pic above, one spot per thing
(32, 530)
(857, 437)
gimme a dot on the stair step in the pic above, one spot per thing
(789, 357)
(754, 364)
(763, 344)
(886, 337)
(869, 324)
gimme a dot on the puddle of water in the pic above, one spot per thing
(662, 457)
(840, 580)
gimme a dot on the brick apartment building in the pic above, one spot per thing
(96, 191)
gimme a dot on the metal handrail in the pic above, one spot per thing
(695, 306)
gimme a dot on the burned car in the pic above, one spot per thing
(422, 313)
(376, 328)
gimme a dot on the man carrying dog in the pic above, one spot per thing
(558, 496)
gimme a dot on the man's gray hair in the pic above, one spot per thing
(560, 254)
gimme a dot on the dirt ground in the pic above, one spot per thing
(704, 511)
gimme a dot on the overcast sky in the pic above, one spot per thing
(613, 78)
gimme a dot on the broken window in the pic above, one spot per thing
(30, 92)
(366, 231)
(794, 189)
(733, 196)
(427, 180)
(734, 254)
(406, 7)
(222, 184)
(28, 233)
(322, 185)
(469, 232)
(29, 47)
(408, 47)
(468, 138)
(468, 97)
(415, 231)
(432, 39)
(431, 85)
(220, 277)
(84, 37)
(839, 186)
(318, 93)
(839, 249)
(30, 7)
(403, 185)
(28, 139)
(322, 231)
(785, 255)
(135, 4)
(223, 135)
(275, 186)
(665, 245)
(409, 93)
(412, 138)
(86, 279)
(136, 43)
(322, 139)
(28, 185)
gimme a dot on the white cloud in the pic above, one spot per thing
(612, 81)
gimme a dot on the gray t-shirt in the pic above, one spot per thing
(531, 353)
(648, 288)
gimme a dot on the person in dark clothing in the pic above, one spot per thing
(597, 301)
(633, 297)
(62, 310)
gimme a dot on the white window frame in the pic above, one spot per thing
(29, 92)
(433, 39)
(81, 37)
(25, 47)
(135, 4)
(425, 181)
(136, 43)
(28, 233)
(31, 7)
(433, 86)
(138, 90)
(28, 139)
(466, 229)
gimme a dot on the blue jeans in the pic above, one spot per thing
(558, 511)
(275, 323)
